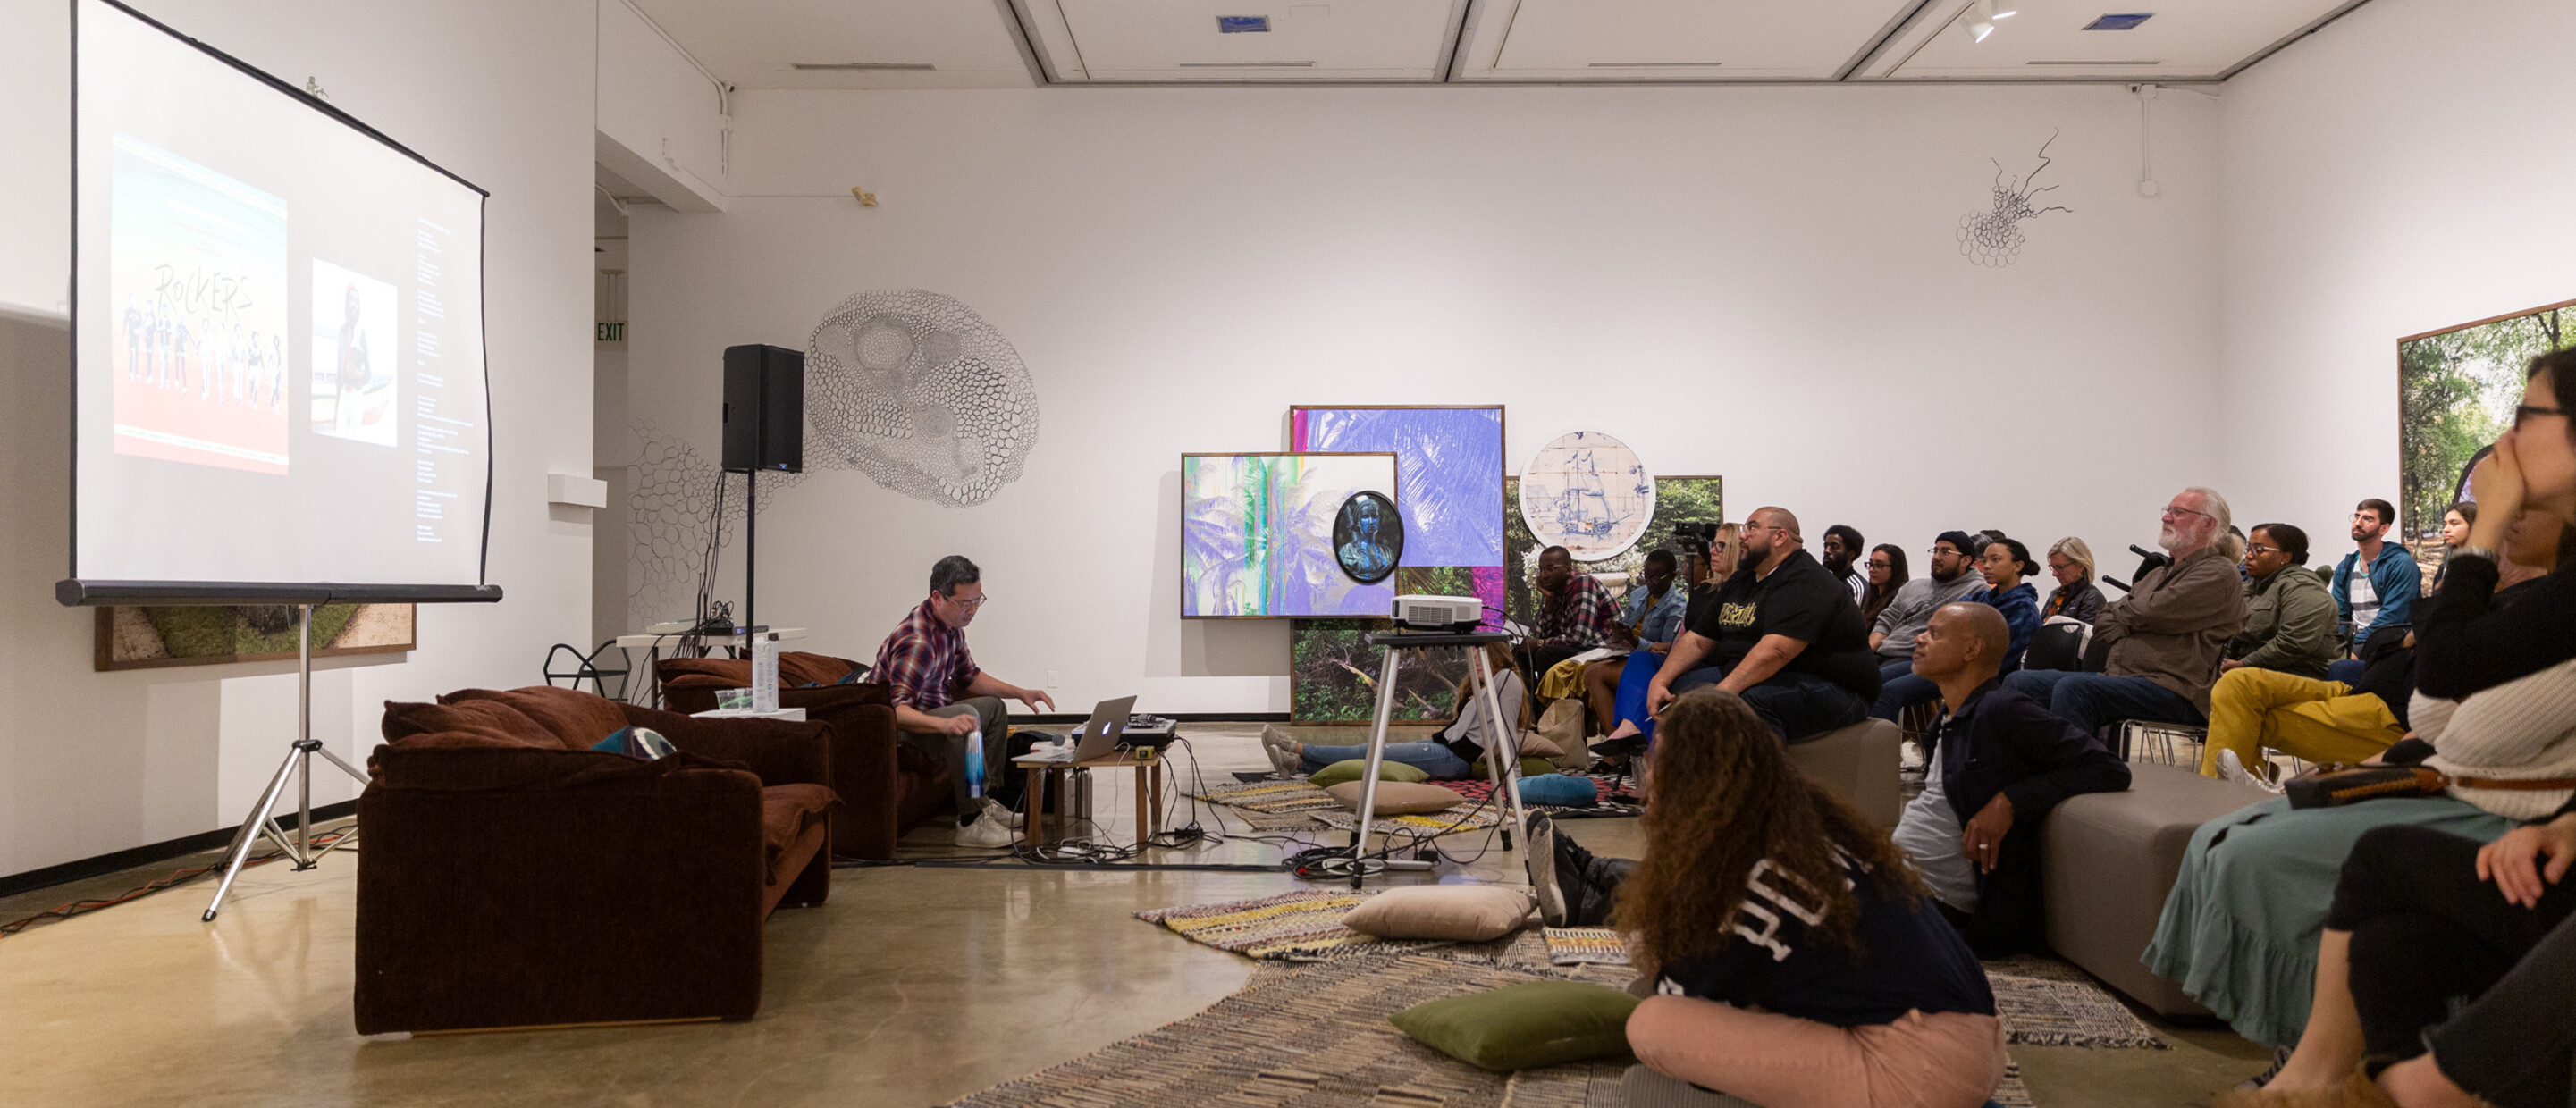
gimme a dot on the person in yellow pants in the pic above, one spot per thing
(2321, 721)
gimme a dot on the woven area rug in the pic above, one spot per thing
(1290, 927)
(1318, 1037)
(1274, 797)
(1436, 823)
(1314, 1039)
(1616, 798)
(1585, 946)
(2045, 1002)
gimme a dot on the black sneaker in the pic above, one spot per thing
(1538, 855)
(1627, 747)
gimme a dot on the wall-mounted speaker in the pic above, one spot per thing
(764, 409)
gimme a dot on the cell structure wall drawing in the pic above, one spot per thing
(915, 390)
(1449, 464)
(1994, 237)
(1257, 534)
(669, 511)
(1588, 493)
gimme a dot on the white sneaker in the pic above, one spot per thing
(993, 810)
(1276, 739)
(986, 833)
(1285, 763)
(2232, 768)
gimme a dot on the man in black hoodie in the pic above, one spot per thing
(2000, 763)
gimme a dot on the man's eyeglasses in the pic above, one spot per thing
(2175, 510)
(2525, 411)
(971, 605)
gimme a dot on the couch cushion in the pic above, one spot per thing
(1351, 770)
(1465, 913)
(576, 719)
(1525, 1026)
(1860, 764)
(490, 718)
(2109, 859)
(785, 812)
(1398, 798)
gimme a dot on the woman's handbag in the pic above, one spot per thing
(2335, 784)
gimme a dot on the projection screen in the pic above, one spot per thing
(277, 319)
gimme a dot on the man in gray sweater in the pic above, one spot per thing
(2165, 637)
(1892, 637)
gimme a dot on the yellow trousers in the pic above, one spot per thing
(2321, 721)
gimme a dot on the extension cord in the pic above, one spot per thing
(1407, 863)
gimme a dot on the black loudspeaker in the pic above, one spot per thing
(764, 409)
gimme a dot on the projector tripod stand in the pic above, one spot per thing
(298, 764)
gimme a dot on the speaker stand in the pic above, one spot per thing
(298, 763)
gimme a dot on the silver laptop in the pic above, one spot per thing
(1098, 736)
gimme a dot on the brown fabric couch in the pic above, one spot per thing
(511, 877)
(886, 786)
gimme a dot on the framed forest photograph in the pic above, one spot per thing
(2456, 391)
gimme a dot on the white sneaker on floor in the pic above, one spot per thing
(1283, 762)
(986, 833)
(1275, 739)
(2231, 768)
(993, 810)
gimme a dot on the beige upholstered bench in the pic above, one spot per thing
(2108, 861)
(1859, 763)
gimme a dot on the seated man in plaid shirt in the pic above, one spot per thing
(923, 663)
(1575, 614)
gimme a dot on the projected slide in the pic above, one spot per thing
(277, 333)
(197, 270)
(354, 355)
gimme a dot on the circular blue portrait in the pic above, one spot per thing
(1368, 537)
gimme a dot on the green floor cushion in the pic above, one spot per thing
(1465, 913)
(1560, 790)
(1351, 770)
(1398, 798)
(1525, 1026)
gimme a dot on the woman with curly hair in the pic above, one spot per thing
(1795, 958)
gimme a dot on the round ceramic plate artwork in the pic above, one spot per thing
(1588, 493)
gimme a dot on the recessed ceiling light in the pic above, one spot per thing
(856, 67)
(1981, 19)
(2120, 21)
(1242, 24)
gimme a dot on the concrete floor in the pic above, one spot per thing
(912, 986)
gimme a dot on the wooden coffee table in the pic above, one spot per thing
(1145, 763)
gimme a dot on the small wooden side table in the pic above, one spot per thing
(1145, 762)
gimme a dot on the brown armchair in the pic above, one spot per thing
(511, 877)
(886, 786)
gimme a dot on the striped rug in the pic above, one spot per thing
(1290, 927)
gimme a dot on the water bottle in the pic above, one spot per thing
(975, 763)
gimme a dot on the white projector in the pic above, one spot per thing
(1439, 612)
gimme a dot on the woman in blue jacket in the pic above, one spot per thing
(2004, 564)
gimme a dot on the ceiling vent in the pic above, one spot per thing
(1242, 24)
(2123, 21)
(857, 67)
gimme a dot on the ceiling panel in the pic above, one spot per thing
(1675, 40)
(2046, 39)
(963, 43)
(1181, 40)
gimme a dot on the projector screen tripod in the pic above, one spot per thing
(298, 764)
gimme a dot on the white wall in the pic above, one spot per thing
(2402, 171)
(35, 188)
(499, 92)
(1758, 283)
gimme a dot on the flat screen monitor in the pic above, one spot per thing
(278, 357)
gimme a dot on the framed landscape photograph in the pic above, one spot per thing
(157, 637)
(2456, 391)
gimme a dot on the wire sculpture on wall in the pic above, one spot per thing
(915, 390)
(1994, 237)
(671, 524)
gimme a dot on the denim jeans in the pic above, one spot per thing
(2347, 670)
(2092, 701)
(1799, 706)
(1429, 757)
(1900, 689)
